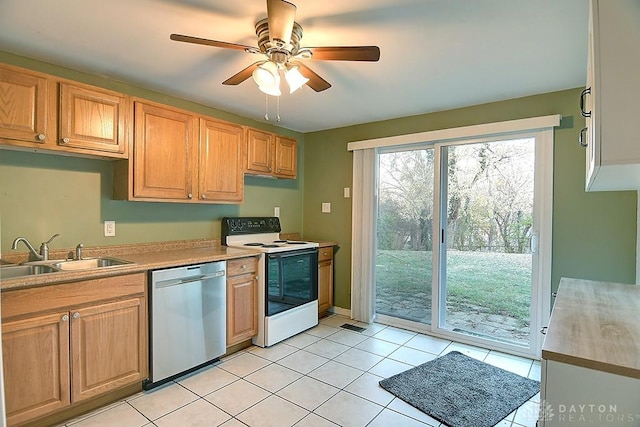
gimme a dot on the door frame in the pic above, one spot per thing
(542, 126)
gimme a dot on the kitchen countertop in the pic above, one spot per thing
(145, 256)
(595, 325)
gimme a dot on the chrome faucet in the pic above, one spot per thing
(44, 247)
(79, 252)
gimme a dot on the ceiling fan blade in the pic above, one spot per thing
(214, 43)
(242, 75)
(346, 53)
(315, 82)
(281, 15)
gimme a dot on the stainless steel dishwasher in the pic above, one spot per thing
(188, 319)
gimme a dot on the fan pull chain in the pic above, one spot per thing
(266, 107)
(278, 109)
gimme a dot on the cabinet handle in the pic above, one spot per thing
(269, 168)
(65, 318)
(76, 315)
(41, 137)
(190, 196)
(584, 93)
(65, 140)
(204, 196)
(543, 331)
(278, 170)
(244, 266)
(581, 139)
(325, 253)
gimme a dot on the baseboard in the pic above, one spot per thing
(341, 311)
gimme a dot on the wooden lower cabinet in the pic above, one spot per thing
(105, 347)
(65, 344)
(325, 279)
(242, 299)
(35, 354)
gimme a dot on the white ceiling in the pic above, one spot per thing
(435, 54)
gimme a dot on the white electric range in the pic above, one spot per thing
(288, 285)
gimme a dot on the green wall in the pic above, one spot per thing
(43, 194)
(594, 234)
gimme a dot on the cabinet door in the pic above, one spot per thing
(92, 120)
(221, 170)
(286, 157)
(165, 153)
(242, 308)
(259, 152)
(27, 108)
(35, 354)
(325, 279)
(108, 347)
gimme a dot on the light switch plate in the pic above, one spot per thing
(326, 207)
(347, 192)
(276, 211)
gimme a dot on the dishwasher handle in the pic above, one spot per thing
(175, 282)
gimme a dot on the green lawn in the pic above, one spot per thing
(492, 283)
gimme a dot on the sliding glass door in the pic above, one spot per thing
(486, 261)
(457, 236)
(405, 234)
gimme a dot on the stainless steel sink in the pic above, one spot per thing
(11, 271)
(89, 263)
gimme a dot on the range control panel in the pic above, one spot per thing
(249, 225)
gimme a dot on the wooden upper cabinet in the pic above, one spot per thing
(286, 157)
(27, 108)
(271, 155)
(92, 119)
(259, 152)
(50, 114)
(221, 171)
(178, 156)
(164, 154)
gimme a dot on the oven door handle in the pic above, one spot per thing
(288, 254)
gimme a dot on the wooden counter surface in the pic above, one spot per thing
(596, 325)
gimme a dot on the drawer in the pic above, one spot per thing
(236, 267)
(325, 253)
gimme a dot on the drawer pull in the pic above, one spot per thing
(582, 141)
(584, 93)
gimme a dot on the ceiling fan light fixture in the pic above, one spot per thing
(294, 78)
(266, 75)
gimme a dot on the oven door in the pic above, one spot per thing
(291, 279)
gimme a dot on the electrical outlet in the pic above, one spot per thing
(109, 228)
(276, 211)
(326, 207)
(347, 192)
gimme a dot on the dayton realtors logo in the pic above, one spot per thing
(587, 413)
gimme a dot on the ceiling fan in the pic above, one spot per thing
(279, 42)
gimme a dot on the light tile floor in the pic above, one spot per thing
(326, 376)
